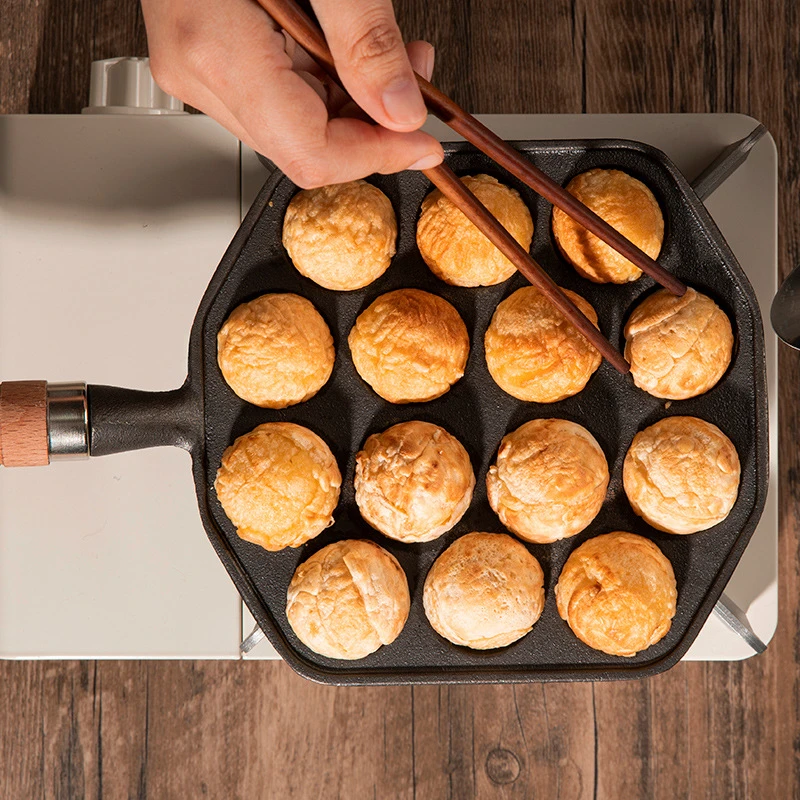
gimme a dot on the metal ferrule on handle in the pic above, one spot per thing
(67, 421)
(42, 422)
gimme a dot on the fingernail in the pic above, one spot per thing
(429, 63)
(403, 103)
(427, 162)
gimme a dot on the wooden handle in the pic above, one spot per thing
(23, 424)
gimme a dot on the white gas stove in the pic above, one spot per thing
(110, 228)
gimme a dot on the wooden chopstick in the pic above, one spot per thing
(451, 187)
(301, 28)
(510, 159)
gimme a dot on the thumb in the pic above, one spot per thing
(368, 51)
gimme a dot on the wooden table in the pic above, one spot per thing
(224, 730)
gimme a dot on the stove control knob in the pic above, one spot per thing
(126, 86)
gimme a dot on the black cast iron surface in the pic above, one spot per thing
(479, 413)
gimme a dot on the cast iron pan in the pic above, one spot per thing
(204, 417)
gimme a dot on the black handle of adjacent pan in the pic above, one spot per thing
(129, 419)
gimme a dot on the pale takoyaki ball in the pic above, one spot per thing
(455, 250)
(627, 205)
(414, 481)
(348, 599)
(617, 593)
(341, 236)
(549, 480)
(275, 351)
(678, 347)
(279, 485)
(409, 346)
(681, 475)
(485, 591)
(534, 353)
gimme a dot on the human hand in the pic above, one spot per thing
(228, 59)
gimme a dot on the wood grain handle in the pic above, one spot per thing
(23, 424)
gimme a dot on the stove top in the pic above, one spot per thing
(110, 230)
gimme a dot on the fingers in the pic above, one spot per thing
(288, 122)
(332, 95)
(371, 60)
(355, 149)
(314, 151)
(421, 56)
(229, 61)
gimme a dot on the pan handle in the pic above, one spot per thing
(41, 422)
(129, 419)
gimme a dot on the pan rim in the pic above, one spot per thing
(504, 674)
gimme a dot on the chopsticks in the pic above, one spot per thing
(300, 27)
(451, 187)
(507, 157)
(293, 20)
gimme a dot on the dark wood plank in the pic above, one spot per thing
(121, 709)
(22, 741)
(534, 49)
(711, 57)
(48, 48)
(229, 729)
(20, 28)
